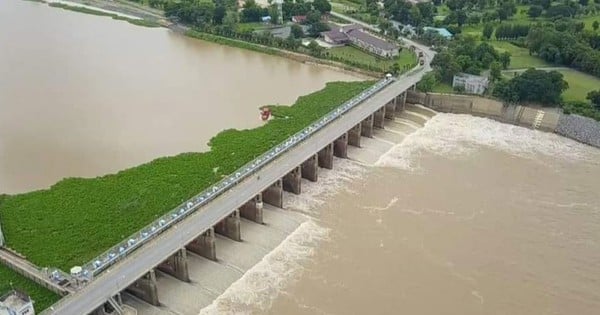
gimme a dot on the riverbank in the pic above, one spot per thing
(100, 12)
(139, 15)
(50, 229)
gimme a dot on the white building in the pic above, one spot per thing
(473, 84)
(16, 303)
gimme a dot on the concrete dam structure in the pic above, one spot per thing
(187, 253)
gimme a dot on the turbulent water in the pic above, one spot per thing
(465, 216)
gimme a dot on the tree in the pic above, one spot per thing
(488, 30)
(219, 15)
(535, 11)
(447, 66)
(595, 25)
(583, 2)
(252, 12)
(296, 31)
(505, 59)
(315, 48)
(533, 86)
(322, 6)
(594, 97)
(427, 83)
(495, 71)
(316, 28)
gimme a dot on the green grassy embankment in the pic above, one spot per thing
(139, 22)
(77, 219)
(10, 280)
(406, 59)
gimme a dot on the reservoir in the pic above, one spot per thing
(83, 95)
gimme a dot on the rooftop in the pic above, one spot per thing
(372, 40)
(440, 30)
(14, 300)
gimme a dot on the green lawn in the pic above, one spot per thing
(10, 280)
(443, 88)
(520, 57)
(406, 58)
(589, 20)
(579, 84)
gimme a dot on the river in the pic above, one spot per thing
(463, 216)
(82, 95)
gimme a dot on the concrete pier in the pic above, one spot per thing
(146, 289)
(390, 109)
(292, 181)
(274, 194)
(367, 127)
(326, 157)
(253, 209)
(403, 102)
(310, 168)
(354, 135)
(176, 266)
(204, 245)
(230, 226)
(340, 146)
(379, 117)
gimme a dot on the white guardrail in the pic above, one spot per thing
(121, 250)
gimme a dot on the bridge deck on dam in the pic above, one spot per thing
(140, 265)
(209, 279)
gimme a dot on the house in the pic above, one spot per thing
(265, 19)
(440, 30)
(355, 35)
(299, 19)
(473, 84)
(16, 303)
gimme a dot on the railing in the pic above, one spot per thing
(121, 250)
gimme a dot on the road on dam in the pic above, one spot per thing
(127, 271)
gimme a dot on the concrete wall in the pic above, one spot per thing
(483, 107)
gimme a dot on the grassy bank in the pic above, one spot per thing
(141, 22)
(298, 56)
(77, 219)
(10, 280)
(405, 60)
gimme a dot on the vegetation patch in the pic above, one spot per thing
(77, 219)
(520, 58)
(10, 280)
(139, 22)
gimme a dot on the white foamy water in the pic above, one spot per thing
(329, 183)
(455, 135)
(260, 285)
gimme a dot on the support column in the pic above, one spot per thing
(292, 180)
(354, 135)
(204, 245)
(310, 168)
(230, 226)
(176, 266)
(340, 146)
(145, 288)
(253, 209)
(367, 127)
(379, 117)
(404, 100)
(390, 109)
(274, 194)
(326, 157)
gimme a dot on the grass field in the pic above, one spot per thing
(77, 219)
(10, 280)
(579, 84)
(406, 58)
(443, 88)
(520, 57)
